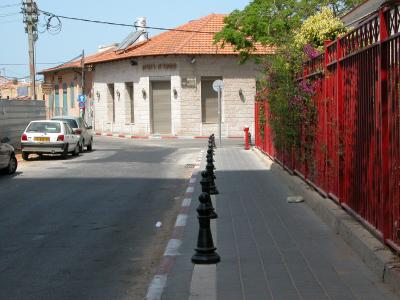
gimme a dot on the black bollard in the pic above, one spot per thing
(205, 251)
(210, 154)
(213, 141)
(210, 147)
(210, 144)
(205, 188)
(211, 176)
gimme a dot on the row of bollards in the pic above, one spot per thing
(205, 250)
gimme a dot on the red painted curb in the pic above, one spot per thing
(166, 264)
(139, 137)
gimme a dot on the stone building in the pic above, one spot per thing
(163, 85)
(66, 82)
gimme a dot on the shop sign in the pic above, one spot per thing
(152, 67)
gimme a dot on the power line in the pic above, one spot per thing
(51, 15)
(10, 21)
(10, 5)
(8, 15)
(38, 63)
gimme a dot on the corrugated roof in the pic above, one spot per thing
(357, 14)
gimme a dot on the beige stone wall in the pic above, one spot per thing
(237, 110)
(67, 76)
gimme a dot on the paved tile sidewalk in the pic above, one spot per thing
(271, 249)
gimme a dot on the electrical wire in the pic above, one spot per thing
(8, 15)
(10, 5)
(10, 21)
(40, 63)
(51, 15)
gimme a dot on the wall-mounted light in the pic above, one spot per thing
(193, 60)
(175, 93)
(144, 93)
(98, 95)
(241, 95)
(118, 94)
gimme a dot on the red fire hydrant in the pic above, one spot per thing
(246, 138)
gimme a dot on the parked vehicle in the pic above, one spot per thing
(8, 161)
(49, 137)
(80, 127)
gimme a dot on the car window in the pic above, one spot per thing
(68, 129)
(71, 122)
(45, 127)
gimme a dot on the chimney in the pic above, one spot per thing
(141, 24)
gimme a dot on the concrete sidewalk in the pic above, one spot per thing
(269, 248)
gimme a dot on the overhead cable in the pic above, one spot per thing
(51, 15)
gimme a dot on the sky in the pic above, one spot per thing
(76, 35)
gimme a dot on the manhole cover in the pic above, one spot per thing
(189, 166)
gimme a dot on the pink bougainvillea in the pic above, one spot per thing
(311, 51)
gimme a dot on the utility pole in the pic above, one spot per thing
(83, 81)
(83, 72)
(31, 15)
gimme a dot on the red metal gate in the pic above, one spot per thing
(356, 148)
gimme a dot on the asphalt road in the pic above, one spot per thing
(84, 228)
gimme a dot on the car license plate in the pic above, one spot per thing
(41, 139)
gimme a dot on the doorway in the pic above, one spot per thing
(161, 107)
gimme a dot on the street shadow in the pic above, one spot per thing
(4, 175)
(87, 237)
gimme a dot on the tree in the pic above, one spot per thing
(296, 29)
(272, 22)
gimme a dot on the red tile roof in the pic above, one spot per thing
(181, 42)
(193, 38)
(75, 63)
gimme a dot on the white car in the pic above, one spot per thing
(49, 137)
(79, 126)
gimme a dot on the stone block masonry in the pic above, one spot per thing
(186, 101)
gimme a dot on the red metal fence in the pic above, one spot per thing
(356, 148)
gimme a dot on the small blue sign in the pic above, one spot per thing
(81, 98)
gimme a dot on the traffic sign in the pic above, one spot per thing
(81, 98)
(47, 88)
(218, 85)
(81, 104)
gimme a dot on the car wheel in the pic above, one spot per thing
(64, 155)
(90, 146)
(25, 155)
(76, 150)
(12, 165)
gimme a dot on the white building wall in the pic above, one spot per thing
(186, 107)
